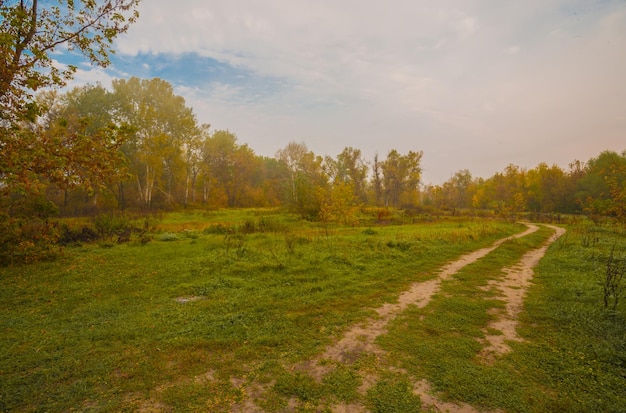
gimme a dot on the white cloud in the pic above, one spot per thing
(474, 84)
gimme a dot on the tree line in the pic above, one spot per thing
(596, 187)
(138, 146)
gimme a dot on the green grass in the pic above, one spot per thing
(574, 354)
(221, 300)
(101, 328)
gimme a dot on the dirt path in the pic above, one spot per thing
(513, 291)
(360, 339)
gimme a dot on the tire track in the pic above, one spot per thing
(513, 289)
(360, 339)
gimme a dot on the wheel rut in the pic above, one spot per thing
(360, 339)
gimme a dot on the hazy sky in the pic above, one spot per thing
(474, 84)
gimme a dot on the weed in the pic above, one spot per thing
(393, 394)
(237, 243)
(168, 236)
(613, 282)
(299, 385)
(290, 243)
(343, 384)
(108, 225)
(219, 229)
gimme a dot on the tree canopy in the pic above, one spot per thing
(32, 30)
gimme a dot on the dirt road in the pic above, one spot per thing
(361, 338)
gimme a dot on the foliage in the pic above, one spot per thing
(38, 148)
(602, 190)
(71, 236)
(162, 125)
(27, 240)
(338, 204)
(32, 31)
(112, 224)
(401, 178)
(27, 235)
(303, 179)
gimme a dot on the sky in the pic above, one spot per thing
(474, 84)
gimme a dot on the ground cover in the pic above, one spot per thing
(216, 302)
(569, 353)
(248, 311)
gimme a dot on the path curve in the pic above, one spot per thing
(361, 337)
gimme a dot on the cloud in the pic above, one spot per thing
(474, 84)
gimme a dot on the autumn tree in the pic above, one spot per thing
(162, 124)
(547, 189)
(457, 192)
(192, 147)
(270, 179)
(377, 182)
(350, 168)
(602, 190)
(86, 142)
(401, 178)
(30, 32)
(505, 192)
(304, 176)
(230, 172)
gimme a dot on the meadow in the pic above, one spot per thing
(211, 310)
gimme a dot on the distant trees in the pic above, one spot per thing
(349, 168)
(602, 189)
(401, 176)
(303, 178)
(229, 172)
(140, 146)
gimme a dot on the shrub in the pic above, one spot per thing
(24, 241)
(26, 234)
(70, 236)
(614, 283)
(108, 225)
(218, 229)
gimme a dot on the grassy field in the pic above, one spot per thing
(221, 303)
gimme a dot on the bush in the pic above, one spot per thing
(26, 234)
(108, 225)
(69, 236)
(24, 241)
(218, 229)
